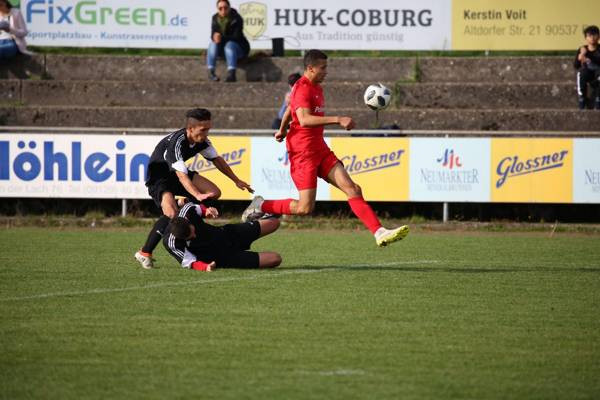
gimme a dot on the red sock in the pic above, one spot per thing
(365, 213)
(277, 206)
(200, 266)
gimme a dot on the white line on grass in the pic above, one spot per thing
(157, 285)
(208, 281)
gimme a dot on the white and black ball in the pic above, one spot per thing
(377, 97)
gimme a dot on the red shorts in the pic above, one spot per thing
(306, 167)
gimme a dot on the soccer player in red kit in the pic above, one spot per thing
(310, 157)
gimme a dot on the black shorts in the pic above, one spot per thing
(167, 182)
(241, 237)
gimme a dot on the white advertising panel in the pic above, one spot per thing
(450, 170)
(117, 23)
(75, 166)
(586, 171)
(352, 24)
(271, 171)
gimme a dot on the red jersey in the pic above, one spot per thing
(306, 95)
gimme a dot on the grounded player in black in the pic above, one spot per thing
(201, 246)
(168, 176)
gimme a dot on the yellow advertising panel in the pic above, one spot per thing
(236, 151)
(532, 170)
(521, 24)
(378, 165)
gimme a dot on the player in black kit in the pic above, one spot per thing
(587, 64)
(201, 246)
(168, 176)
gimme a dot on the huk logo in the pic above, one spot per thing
(449, 159)
(255, 19)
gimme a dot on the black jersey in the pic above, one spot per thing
(210, 241)
(172, 151)
(593, 56)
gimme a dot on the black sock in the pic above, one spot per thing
(156, 234)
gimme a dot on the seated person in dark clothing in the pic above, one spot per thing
(201, 246)
(587, 64)
(227, 40)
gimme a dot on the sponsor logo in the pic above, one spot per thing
(510, 167)
(71, 165)
(356, 166)
(89, 12)
(255, 19)
(449, 160)
(592, 179)
(451, 178)
(353, 17)
(275, 176)
(200, 164)
(285, 159)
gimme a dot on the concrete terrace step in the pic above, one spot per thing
(496, 69)
(169, 94)
(185, 68)
(551, 120)
(269, 69)
(267, 94)
(487, 95)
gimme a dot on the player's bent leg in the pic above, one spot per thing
(305, 204)
(268, 226)
(339, 177)
(205, 186)
(168, 204)
(269, 259)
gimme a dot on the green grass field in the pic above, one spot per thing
(438, 316)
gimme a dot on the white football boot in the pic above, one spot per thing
(145, 261)
(253, 211)
(384, 236)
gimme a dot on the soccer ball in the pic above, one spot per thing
(377, 97)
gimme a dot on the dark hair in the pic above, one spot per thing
(8, 5)
(312, 56)
(226, 1)
(180, 228)
(591, 30)
(293, 78)
(196, 115)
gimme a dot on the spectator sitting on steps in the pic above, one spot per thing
(227, 39)
(12, 31)
(587, 64)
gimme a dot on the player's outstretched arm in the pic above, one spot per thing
(226, 170)
(186, 182)
(306, 119)
(285, 121)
